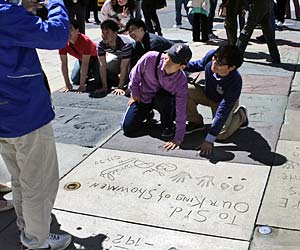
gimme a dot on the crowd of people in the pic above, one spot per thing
(129, 59)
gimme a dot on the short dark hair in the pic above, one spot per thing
(136, 22)
(110, 24)
(230, 55)
(74, 23)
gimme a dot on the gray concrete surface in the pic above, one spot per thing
(217, 203)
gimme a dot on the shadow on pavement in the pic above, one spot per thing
(246, 140)
(90, 243)
(286, 66)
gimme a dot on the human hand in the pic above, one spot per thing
(171, 145)
(125, 12)
(205, 148)
(31, 5)
(67, 88)
(134, 99)
(81, 89)
(118, 92)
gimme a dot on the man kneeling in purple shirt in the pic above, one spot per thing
(159, 83)
(221, 92)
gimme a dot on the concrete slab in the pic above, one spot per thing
(174, 193)
(237, 149)
(265, 108)
(69, 156)
(96, 233)
(294, 101)
(83, 101)
(268, 85)
(261, 108)
(266, 68)
(296, 81)
(281, 203)
(279, 239)
(85, 127)
(289, 130)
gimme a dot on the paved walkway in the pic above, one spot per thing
(127, 193)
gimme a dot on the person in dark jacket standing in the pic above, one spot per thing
(149, 8)
(27, 143)
(77, 10)
(260, 12)
(221, 92)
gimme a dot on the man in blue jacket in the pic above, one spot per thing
(26, 137)
(221, 92)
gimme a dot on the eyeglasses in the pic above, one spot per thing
(215, 58)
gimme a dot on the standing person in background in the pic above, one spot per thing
(138, 10)
(280, 12)
(260, 12)
(27, 143)
(149, 8)
(297, 9)
(211, 16)
(200, 11)
(234, 8)
(93, 6)
(120, 11)
(77, 10)
(178, 5)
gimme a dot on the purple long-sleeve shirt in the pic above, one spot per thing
(143, 84)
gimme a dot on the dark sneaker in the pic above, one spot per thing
(261, 39)
(192, 127)
(167, 132)
(274, 60)
(244, 112)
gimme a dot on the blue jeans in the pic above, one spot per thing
(136, 113)
(178, 4)
(93, 72)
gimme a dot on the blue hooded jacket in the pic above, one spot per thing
(25, 104)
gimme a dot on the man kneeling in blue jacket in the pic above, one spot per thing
(221, 91)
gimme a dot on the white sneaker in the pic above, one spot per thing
(279, 24)
(55, 242)
(177, 26)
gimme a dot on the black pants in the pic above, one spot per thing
(77, 11)
(200, 23)
(151, 20)
(263, 13)
(163, 101)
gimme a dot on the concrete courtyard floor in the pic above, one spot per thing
(127, 193)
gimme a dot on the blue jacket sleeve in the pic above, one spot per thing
(32, 32)
(199, 65)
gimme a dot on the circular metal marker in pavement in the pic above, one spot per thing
(71, 186)
(265, 230)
